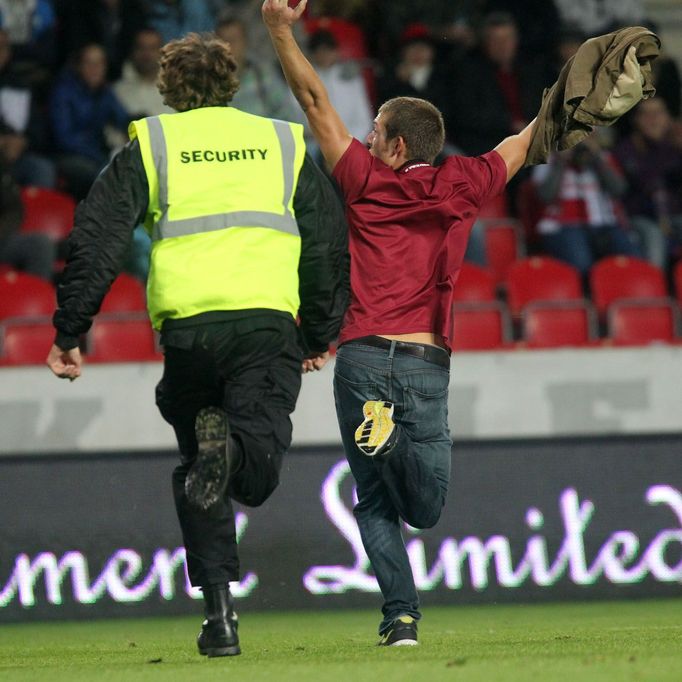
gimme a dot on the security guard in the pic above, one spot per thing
(247, 235)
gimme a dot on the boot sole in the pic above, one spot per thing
(215, 652)
(207, 479)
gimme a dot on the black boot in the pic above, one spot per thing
(218, 636)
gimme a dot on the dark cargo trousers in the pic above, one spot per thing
(251, 367)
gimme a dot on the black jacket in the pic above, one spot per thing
(117, 203)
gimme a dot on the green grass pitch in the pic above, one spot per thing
(605, 641)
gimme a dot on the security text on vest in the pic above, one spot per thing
(199, 155)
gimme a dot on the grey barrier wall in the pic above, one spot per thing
(570, 392)
(95, 535)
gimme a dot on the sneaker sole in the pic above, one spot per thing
(208, 477)
(363, 434)
(405, 642)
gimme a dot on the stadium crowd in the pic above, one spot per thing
(74, 73)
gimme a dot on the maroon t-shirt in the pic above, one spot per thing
(408, 234)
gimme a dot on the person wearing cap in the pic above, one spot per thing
(416, 74)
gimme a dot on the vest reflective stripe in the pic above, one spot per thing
(165, 228)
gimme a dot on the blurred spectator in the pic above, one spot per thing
(417, 73)
(344, 83)
(667, 78)
(350, 10)
(109, 23)
(174, 18)
(31, 26)
(653, 169)
(136, 90)
(248, 12)
(137, 259)
(594, 17)
(451, 24)
(32, 252)
(261, 90)
(569, 40)
(83, 105)
(582, 220)
(20, 126)
(537, 21)
(494, 94)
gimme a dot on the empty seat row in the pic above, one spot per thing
(541, 278)
(545, 306)
(24, 295)
(113, 338)
(562, 324)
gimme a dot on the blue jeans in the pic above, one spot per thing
(582, 246)
(410, 482)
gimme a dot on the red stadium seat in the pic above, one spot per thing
(122, 338)
(502, 246)
(24, 295)
(620, 277)
(541, 279)
(474, 284)
(557, 324)
(48, 212)
(25, 341)
(496, 207)
(480, 326)
(125, 296)
(640, 322)
(677, 279)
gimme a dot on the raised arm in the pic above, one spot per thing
(326, 125)
(514, 149)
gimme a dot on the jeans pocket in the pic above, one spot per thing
(425, 415)
(350, 395)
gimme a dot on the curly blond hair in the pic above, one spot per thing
(197, 71)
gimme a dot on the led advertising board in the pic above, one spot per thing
(96, 535)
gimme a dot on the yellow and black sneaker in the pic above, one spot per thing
(376, 432)
(403, 632)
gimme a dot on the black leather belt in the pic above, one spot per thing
(434, 354)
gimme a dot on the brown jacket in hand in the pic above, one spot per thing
(608, 76)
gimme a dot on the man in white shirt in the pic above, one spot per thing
(344, 83)
(137, 89)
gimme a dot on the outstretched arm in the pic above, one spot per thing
(514, 149)
(327, 127)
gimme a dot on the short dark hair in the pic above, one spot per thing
(418, 122)
(497, 19)
(197, 71)
(322, 39)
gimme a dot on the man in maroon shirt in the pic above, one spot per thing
(409, 223)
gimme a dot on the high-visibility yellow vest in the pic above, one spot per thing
(221, 214)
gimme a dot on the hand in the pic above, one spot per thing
(278, 14)
(66, 364)
(315, 363)
(13, 146)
